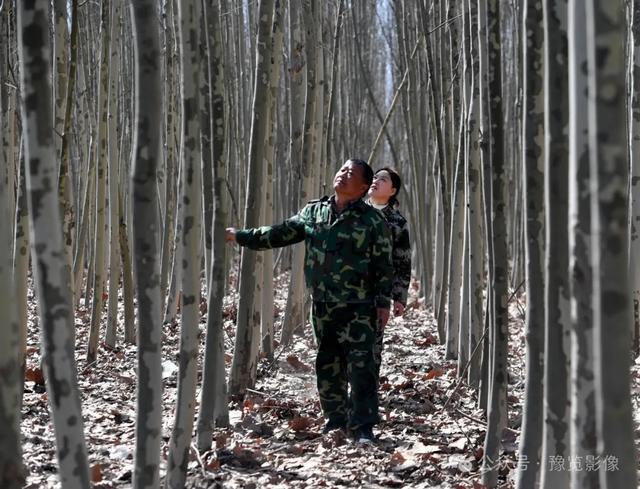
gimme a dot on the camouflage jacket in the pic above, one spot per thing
(348, 255)
(401, 253)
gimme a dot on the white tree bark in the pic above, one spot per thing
(244, 365)
(191, 240)
(51, 271)
(146, 232)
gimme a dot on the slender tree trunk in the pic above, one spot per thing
(533, 183)
(191, 239)
(213, 399)
(61, 48)
(146, 232)
(474, 203)
(266, 315)
(499, 271)
(21, 265)
(127, 276)
(51, 271)
(64, 178)
(244, 365)
(611, 296)
(99, 268)
(583, 410)
(302, 142)
(555, 441)
(634, 137)
(115, 263)
(11, 470)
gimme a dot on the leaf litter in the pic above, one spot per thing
(431, 433)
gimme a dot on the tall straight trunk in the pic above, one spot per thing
(244, 365)
(213, 398)
(191, 239)
(485, 159)
(207, 152)
(146, 242)
(127, 275)
(611, 297)
(51, 271)
(533, 184)
(61, 74)
(499, 270)
(465, 316)
(335, 51)
(583, 435)
(171, 114)
(99, 268)
(21, 264)
(442, 280)
(12, 474)
(266, 316)
(474, 205)
(81, 247)
(64, 178)
(115, 264)
(294, 315)
(454, 260)
(555, 442)
(634, 181)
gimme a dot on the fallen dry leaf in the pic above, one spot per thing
(295, 362)
(96, 473)
(301, 423)
(34, 374)
(433, 373)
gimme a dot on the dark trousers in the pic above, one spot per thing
(345, 334)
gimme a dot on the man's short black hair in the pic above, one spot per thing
(367, 171)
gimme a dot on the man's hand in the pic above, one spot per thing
(398, 308)
(230, 235)
(382, 316)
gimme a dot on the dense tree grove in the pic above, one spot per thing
(132, 132)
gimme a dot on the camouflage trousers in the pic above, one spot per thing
(345, 336)
(377, 350)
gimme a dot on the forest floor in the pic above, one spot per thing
(431, 434)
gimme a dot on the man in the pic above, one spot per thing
(349, 270)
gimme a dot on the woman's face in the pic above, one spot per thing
(381, 188)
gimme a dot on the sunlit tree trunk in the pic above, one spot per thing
(146, 232)
(191, 239)
(99, 268)
(474, 209)
(303, 45)
(244, 365)
(583, 435)
(115, 263)
(64, 178)
(51, 270)
(213, 398)
(266, 315)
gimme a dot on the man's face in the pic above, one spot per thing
(349, 181)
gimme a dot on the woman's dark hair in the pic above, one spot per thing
(367, 171)
(396, 182)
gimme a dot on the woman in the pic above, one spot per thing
(382, 195)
